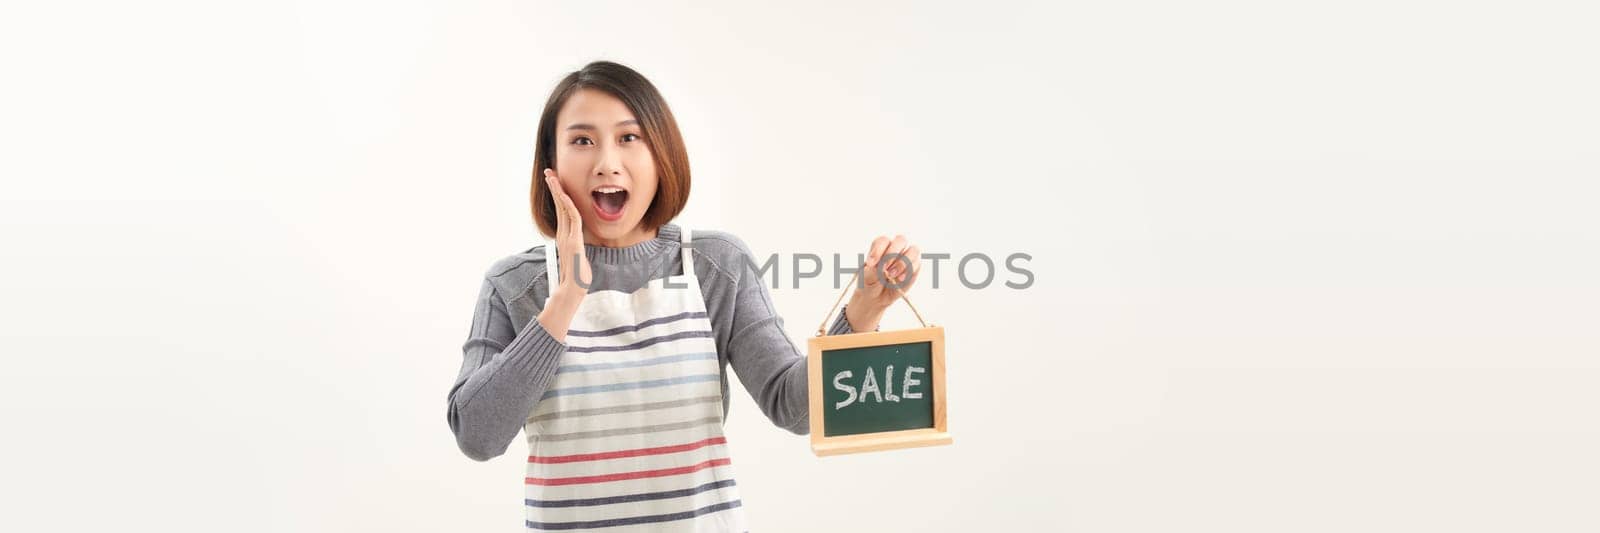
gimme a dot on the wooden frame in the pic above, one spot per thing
(937, 435)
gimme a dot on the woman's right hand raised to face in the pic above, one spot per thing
(566, 293)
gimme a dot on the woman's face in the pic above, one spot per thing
(605, 166)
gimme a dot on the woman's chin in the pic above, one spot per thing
(612, 231)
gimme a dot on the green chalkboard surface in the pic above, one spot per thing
(877, 388)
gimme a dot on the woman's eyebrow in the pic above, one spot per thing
(582, 126)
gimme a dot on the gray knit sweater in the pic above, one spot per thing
(509, 358)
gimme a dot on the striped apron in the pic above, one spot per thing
(628, 437)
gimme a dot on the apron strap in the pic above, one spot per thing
(684, 246)
(551, 270)
(822, 329)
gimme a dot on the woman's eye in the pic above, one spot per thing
(582, 140)
(629, 137)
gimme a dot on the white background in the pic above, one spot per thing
(1298, 268)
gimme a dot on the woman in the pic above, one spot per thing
(617, 371)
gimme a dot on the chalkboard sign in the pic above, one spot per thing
(877, 391)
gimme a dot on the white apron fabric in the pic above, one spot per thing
(628, 437)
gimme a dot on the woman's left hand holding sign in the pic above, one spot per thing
(891, 268)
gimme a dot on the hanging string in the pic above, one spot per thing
(823, 327)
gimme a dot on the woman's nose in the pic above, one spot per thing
(610, 162)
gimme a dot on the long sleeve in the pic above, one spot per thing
(769, 364)
(503, 374)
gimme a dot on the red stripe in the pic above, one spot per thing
(626, 475)
(557, 459)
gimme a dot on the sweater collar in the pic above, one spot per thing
(667, 235)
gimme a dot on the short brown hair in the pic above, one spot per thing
(660, 132)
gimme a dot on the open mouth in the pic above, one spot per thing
(608, 202)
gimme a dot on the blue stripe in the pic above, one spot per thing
(650, 519)
(641, 344)
(648, 384)
(641, 325)
(635, 364)
(626, 498)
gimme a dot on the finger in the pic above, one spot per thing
(565, 210)
(555, 201)
(562, 227)
(876, 250)
(572, 215)
(913, 258)
(575, 236)
(556, 193)
(894, 255)
(553, 183)
(577, 221)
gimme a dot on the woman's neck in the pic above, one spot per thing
(638, 235)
